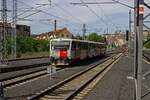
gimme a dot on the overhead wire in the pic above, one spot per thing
(45, 12)
(26, 11)
(50, 14)
(90, 9)
(42, 11)
(67, 12)
(106, 17)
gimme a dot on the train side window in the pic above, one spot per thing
(79, 46)
(73, 46)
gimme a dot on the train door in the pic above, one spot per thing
(73, 50)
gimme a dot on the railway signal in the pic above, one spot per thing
(127, 35)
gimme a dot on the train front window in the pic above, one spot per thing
(58, 45)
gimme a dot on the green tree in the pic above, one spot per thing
(27, 44)
(95, 37)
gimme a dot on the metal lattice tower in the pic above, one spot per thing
(13, 35)
(3, 33)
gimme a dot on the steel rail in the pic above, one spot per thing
(20, 75)
(25, 78)
(18, 59)
(21, 79)
(17, 68)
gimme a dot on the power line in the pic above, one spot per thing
(126, 5)
(67, 12)
(43, 12)
(113, 2)
(26, 11)
(39, 10)
(105, 15)
(61, 8)
(81, 3)
(95, 14)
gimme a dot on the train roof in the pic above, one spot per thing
(67, 39)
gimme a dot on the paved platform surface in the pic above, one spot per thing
(146, 81)
(115, 85)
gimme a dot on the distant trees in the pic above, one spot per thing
(95, 37)
(28, 44)
(92, 37)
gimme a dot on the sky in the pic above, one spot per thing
(97, 17)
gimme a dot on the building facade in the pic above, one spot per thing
(146, 35)
(22, 30)
(117, 39)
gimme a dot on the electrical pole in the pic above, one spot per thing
(3, 33)
(84, 31)
(55, 28)
(129, 42)
(3, 42)
(139, 11)
(14, 31)
(55, 25)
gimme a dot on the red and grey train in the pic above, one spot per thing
(66, 51)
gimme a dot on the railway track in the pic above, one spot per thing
(22, 79)
(26, 63)
(72, 87)
(18, 59)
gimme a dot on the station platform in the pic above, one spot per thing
(115, 85)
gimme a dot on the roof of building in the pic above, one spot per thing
(58, 31)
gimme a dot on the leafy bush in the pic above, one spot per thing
(147, 45)
(28, 44)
